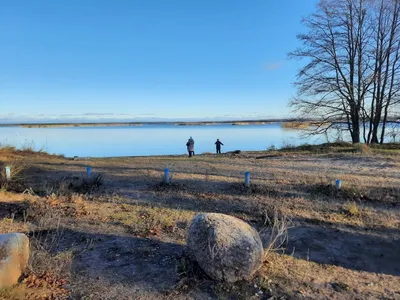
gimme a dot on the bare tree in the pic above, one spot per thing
(351, 74)
(385, 92)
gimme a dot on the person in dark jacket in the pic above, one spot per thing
(218, 146)
(190, 147)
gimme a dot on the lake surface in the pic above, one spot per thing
(148, 139)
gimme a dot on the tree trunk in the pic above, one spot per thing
(355, 133)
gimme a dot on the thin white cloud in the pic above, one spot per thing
(273, 66)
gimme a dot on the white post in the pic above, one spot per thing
(89, 172)
(338, 184)
(8, 172)
(247, 179)
(166, 176)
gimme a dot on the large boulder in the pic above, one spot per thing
(226, 248)
(14, 255)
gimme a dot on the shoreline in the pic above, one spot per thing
(288, 123)
(322, 148)
(120, 124)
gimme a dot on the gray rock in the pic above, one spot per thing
(226, 248)
(14, 255)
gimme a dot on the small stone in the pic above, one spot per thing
(14, 255)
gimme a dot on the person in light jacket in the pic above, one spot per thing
(218, 144)
(190, 147)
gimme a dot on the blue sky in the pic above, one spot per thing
(149, 59)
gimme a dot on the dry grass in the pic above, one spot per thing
(296, 125)
(362, 148)
(128, 201)
(300, 279)
(147, 221)
(16, 180)
(48, 270)
(275, 226)
(351, 209)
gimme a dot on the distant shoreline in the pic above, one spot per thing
(286, 123)
(115, 124)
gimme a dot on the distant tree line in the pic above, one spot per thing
(352, 66)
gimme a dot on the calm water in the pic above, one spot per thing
(147, 139)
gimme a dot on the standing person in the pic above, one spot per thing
(190, 147)
(218, 146)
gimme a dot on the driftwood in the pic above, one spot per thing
(269, 156)
(234, 152)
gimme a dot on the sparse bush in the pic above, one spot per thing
(287, 147)
(67, 186)
(351, 209)
(28, 146)
(16, 183)
(56, 188)
(275, 227)
(362, 148)
(87, 185)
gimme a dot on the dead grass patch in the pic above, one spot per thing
(169, 187)
(145, 221)
(351, 209)
(362, 148)
(73, 205)
(48, 269)
(254, 189)
(16, 182)
(378, 195)
(283, 274)
(69, 185)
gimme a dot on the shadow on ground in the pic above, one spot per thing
(346, 248)
(140, 263)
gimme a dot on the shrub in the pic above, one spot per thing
(276, 225)
(17, 181)
(351, 209)
(362, 148)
